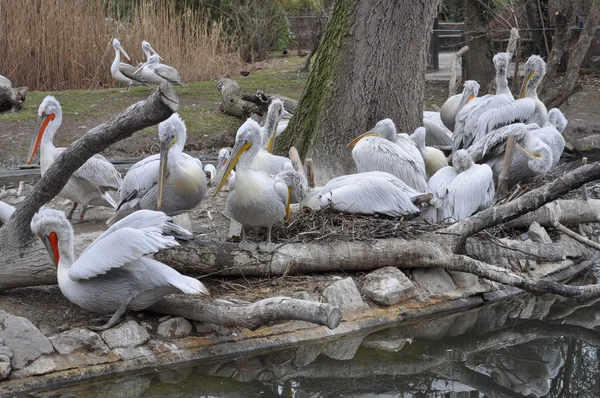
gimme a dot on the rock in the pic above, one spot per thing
(388, 286)
(129, 334)
(127, 353)
(467, 283)
(302, 295)
(307, 354)
(538, 234)
(211, 328)
(4, 350)
(343, 349)
(174, 327)
(436, 282)
(4, 369)
(377, 343)
(78, 339)
(25, 341)
(48, 364)
(344, 295)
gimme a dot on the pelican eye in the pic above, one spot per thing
(174, 141)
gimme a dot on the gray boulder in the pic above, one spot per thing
(387, 286)
(129, 334)
(25, 341)
(344, 295)
(436, 282)
(174, 327)
(538, 234)
(74, 339)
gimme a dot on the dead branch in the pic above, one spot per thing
(490, 250)
(236, 103)
(251, 316)
(576, 236)
(565, 211)
(505, 172)
(17, 239)
(456, 71)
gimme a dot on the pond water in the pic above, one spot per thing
(525, 346)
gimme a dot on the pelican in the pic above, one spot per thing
(5, 81)
(433, 157)
(148, 50)
(224, 155)
(89, 184)
(122, 72)
(170, 181)
(533, 157)
(154, 72)
(211, 172)
(529, 108)
(275, 113)
(259, 199)
(6, 211)
(455, 103)
(557, 119)
(372, 192)
(115, 272)
(459, 190)
(438, 133)
(381, 149)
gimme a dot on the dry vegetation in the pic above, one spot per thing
(57, 45)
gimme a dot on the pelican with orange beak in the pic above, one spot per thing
(259, 199)
(89, 185)
(170, 181)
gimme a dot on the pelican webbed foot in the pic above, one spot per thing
(267, 246)
(244, 244)
(114, 319)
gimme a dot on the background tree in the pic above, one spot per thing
(370, 65)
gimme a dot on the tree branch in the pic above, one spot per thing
(576, 236)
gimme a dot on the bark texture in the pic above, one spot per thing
(478, 59)
(563, 14)
(370, 65)
(18, 242)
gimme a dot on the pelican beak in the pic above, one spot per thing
(524, 84)
(525, 152)
(124, 53)
(470, 98)
(43, 122)
(271, 143)
(288, 213)
(355, 141)
(140, 68)
(237, 151)
(286, 115)
(51, 244)
(154, 52)
(162, 168)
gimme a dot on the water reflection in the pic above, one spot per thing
(528, 346)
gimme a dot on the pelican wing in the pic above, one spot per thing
(437, 132)
(129, 70)
(126, 241)
(359, 178)
(167, 72)
(470, 191)
(557, 119)
(97, 170)
(515, 111)
(367, 196)
(141, 177)
(552, 137)
(495, 142)
(438, 185)
(6, 211)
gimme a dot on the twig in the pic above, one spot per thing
(558, 226)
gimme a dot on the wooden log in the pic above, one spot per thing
(576, 236)
(506, 163)
(251, 316)
(490, 250)
(565, 211)
(12, 98)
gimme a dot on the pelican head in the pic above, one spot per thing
(501, 61)
(55, 231)
(49, 114)
(152, 60)
(538, 153)
(418, 137)
(461, 160)
(535, 69)
(171, 134)
(224, 155)
(557, 119)
(275, 113)
(470, 91)
(249, 135)
(117, 46)
(148, 50)
(384, 128)
(297, 185)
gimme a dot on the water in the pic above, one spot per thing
(526, 346)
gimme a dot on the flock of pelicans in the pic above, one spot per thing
(115, 273)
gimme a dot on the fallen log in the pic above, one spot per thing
(251, 316)
(489, 250)
(565, 211)
(236, 103)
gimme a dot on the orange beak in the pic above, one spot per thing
(356, 140)
(43, 122)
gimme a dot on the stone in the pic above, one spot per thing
(467, 283)
(436, 281)
(78, 339)
(344, 295)
(127, 353)
(174, 327)
(4, 369)
(538, 234)
(47, 364)
(25, 341)
(393, 345)
(129, 334)
(211, 328)
(387, 286)
(307, 354)
(343, 349)
(302, 295)
(4, 350)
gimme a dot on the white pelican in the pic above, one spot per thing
(148, 50)
(6, 211)
(211, 172)
(459, 190)
(437, 133)
(224, 155)
(170, 181)
(433, 157)
(557, 119)
(381, 149)
(265, 161)
(152, 71)
(275, 113)
(259, 199)
(89, 184)
(122, 72)
(533, 157)
(372, 192)
(114, 273)
(455, 103)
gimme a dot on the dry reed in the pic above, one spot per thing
(57, 44)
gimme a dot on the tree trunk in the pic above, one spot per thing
(478, 59)
(534, 22)
(18, 242)
(569, 85)
(562, 35)
(370, 65)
